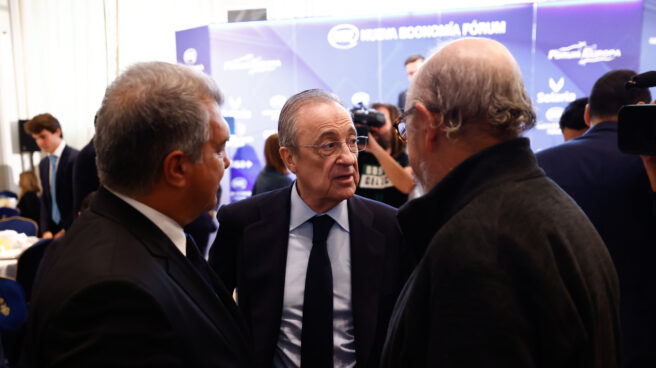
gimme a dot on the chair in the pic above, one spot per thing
(8, 193)
(8, 212)
(20, 225)
(28, 265)
(13, 313)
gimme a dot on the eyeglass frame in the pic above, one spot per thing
(399, 123)
(337, 150)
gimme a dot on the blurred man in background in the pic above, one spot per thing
(613, 190)
(572, 123)
(56, 172)
(412, 64)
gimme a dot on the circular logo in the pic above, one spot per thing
(360, 97)
(343, 36)
(190, 56)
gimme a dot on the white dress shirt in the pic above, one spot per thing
(169, 227)
(288, 349)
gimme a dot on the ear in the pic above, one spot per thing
(58, 132)
(288, 158)
(586, 115)
(432, 123)
(176, 166)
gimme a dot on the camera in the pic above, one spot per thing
(364, 118)
(636, 130)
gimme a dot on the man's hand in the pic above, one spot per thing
(60, 233)
(47, 235)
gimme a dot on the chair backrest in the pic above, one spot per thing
(8, 193)
(8, 212)
(13, 307)
(28, 265)
(20, 225)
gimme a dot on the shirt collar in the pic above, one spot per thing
(169, 227)
(60, 149)
(301, 212)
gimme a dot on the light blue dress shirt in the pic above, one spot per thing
(288, 350)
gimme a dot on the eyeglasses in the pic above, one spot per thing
(400, 123)
(355, 145)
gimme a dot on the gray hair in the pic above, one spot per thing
(470, 86)
(287, 119)
(149, 111)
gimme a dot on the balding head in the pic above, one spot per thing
(477, 87)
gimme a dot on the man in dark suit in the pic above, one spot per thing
(125, 287)
(513, 274)
(313, 296)
(613, 190)
(56, 171)
(85, 175)
(412, 64)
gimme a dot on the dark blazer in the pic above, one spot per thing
(85, 175)
(117, 293)
(64, 183)
(30, 206)
(250, 253)
(613, 190)
(512, 275)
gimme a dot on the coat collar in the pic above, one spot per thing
(421, 218)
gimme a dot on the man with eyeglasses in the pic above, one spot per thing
(512, 273)
(316, 269)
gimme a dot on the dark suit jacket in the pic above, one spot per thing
(30, 206)
(613, 190)
(117, 293)
(85, 175)
(250, 253)
(64, 183)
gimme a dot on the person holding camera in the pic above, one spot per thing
(385, 172)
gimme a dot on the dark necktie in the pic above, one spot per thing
(196, 260)
(317, 331)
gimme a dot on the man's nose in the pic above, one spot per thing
(345, 156)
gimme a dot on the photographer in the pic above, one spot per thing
(385, 174)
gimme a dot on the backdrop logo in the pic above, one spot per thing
(253, 64)
(554, 113)
(555, 96)
(360, 97)
(190, 56)
(234, 109)
(276, 102)
(584, 53)
(556, 86)
(239, 183)
(343, 36)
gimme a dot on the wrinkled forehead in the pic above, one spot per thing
(317, 117)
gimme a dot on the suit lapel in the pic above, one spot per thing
(61, 174)
(367, 257)
(264, 258)
(214, 306)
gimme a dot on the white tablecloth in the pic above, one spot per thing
(12, 245)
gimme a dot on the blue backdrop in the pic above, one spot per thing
(561, 48)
